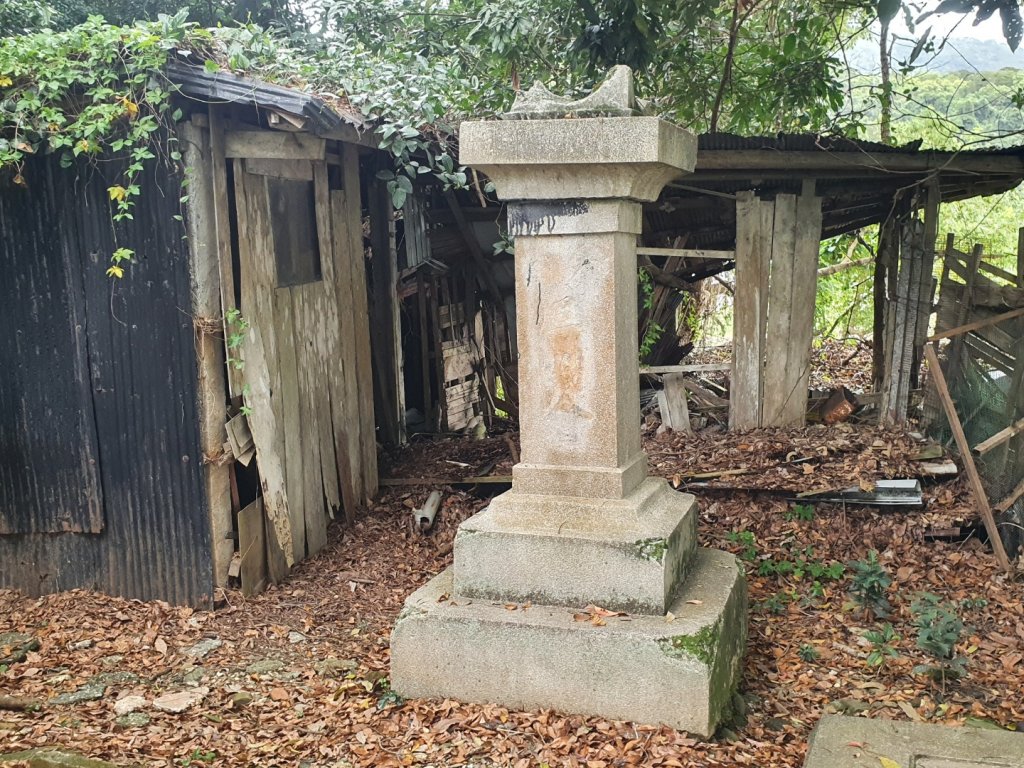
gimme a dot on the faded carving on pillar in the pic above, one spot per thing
(613, 98)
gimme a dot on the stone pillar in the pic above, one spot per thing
(583, 524)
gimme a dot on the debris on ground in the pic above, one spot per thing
(261, 699)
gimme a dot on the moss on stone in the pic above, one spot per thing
(652, 549)
(700, 645)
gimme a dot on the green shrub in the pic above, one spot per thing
(869, 583)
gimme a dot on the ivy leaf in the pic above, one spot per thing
(211, 66)
(117, 192)
(115, 271)
(130, 107)
(888, 762)
(5, 82)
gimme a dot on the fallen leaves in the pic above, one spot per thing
(596, 615)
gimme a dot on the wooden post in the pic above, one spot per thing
(204, 270)
(387, 326)
(1020, 257)
(675, 414)
(965, 454)
(750, 302)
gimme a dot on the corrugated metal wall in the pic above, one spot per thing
(140, 362)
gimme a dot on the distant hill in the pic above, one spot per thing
(964, 54)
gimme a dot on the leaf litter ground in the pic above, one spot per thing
(298, 676)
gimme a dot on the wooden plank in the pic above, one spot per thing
(432, 293)
(977, 325)
(261, 371)
(752, 249)
(313, 513)
(274, 145)
(992, 269)
(324, 341)
(291, 423)
(675, 414)
(709, 368)
(1011, 498)
(946, 162)
(999, 438)
(204, 273)
(981, 498)
(1020, 257)
(252, 548)
(344, 396)
(299, 170)
(386, 320)
(805, 286)
(222, 223)
(239, 435)
(361, 314)
(778, 389)
(688, 253)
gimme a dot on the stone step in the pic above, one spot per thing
(621, 554)
(856, 742)
(640, 668)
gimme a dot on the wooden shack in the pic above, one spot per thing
(211, 412)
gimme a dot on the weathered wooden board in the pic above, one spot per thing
(675, 414)
(753, 249)
(805, 287)
(274, 145)
(252, 548)
(360, 311)
(779, 384)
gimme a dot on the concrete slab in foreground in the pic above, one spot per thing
(910, 745)
(642, 668)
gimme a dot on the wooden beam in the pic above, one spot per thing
(274, 145)
(948, 162)
(675, 414)
(964, 447)
(687, 253)
(659, 369)
(750, 305)
(977, 325)
(999, 438)
(1011, 499)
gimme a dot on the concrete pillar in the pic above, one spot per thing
(583, 524)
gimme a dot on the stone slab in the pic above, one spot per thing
(597, 157)
(621, 554)
(910, 745)
(640, 668)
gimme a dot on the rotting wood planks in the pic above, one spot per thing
(752, 263)
(980, 496)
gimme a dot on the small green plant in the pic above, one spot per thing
(808, 653)
(802, 512)
(776, 604)
(747, 542)
(237, 327)
(652, 330)
(198, 756)
(869, 583)
(972, 603)
(938, 632)
(883, 645)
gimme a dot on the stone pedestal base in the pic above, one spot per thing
(640, 668)
(621, 554)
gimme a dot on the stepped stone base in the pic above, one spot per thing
(622, 554)
(640, 668)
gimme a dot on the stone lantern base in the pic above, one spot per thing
(678, 669)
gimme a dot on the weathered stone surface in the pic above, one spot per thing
(241, 699)
(46, 757)
(595, 158)
(194, 675)
(612, 97)
(88, 692)
(179, 701)
(128, 704)
(623, 555)
(332, 667)
(132, 720)
(910, 745)
(642, 668)
(264, 667)
(15, 647)
(114, 678)
(296, 637)
(203, 648)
